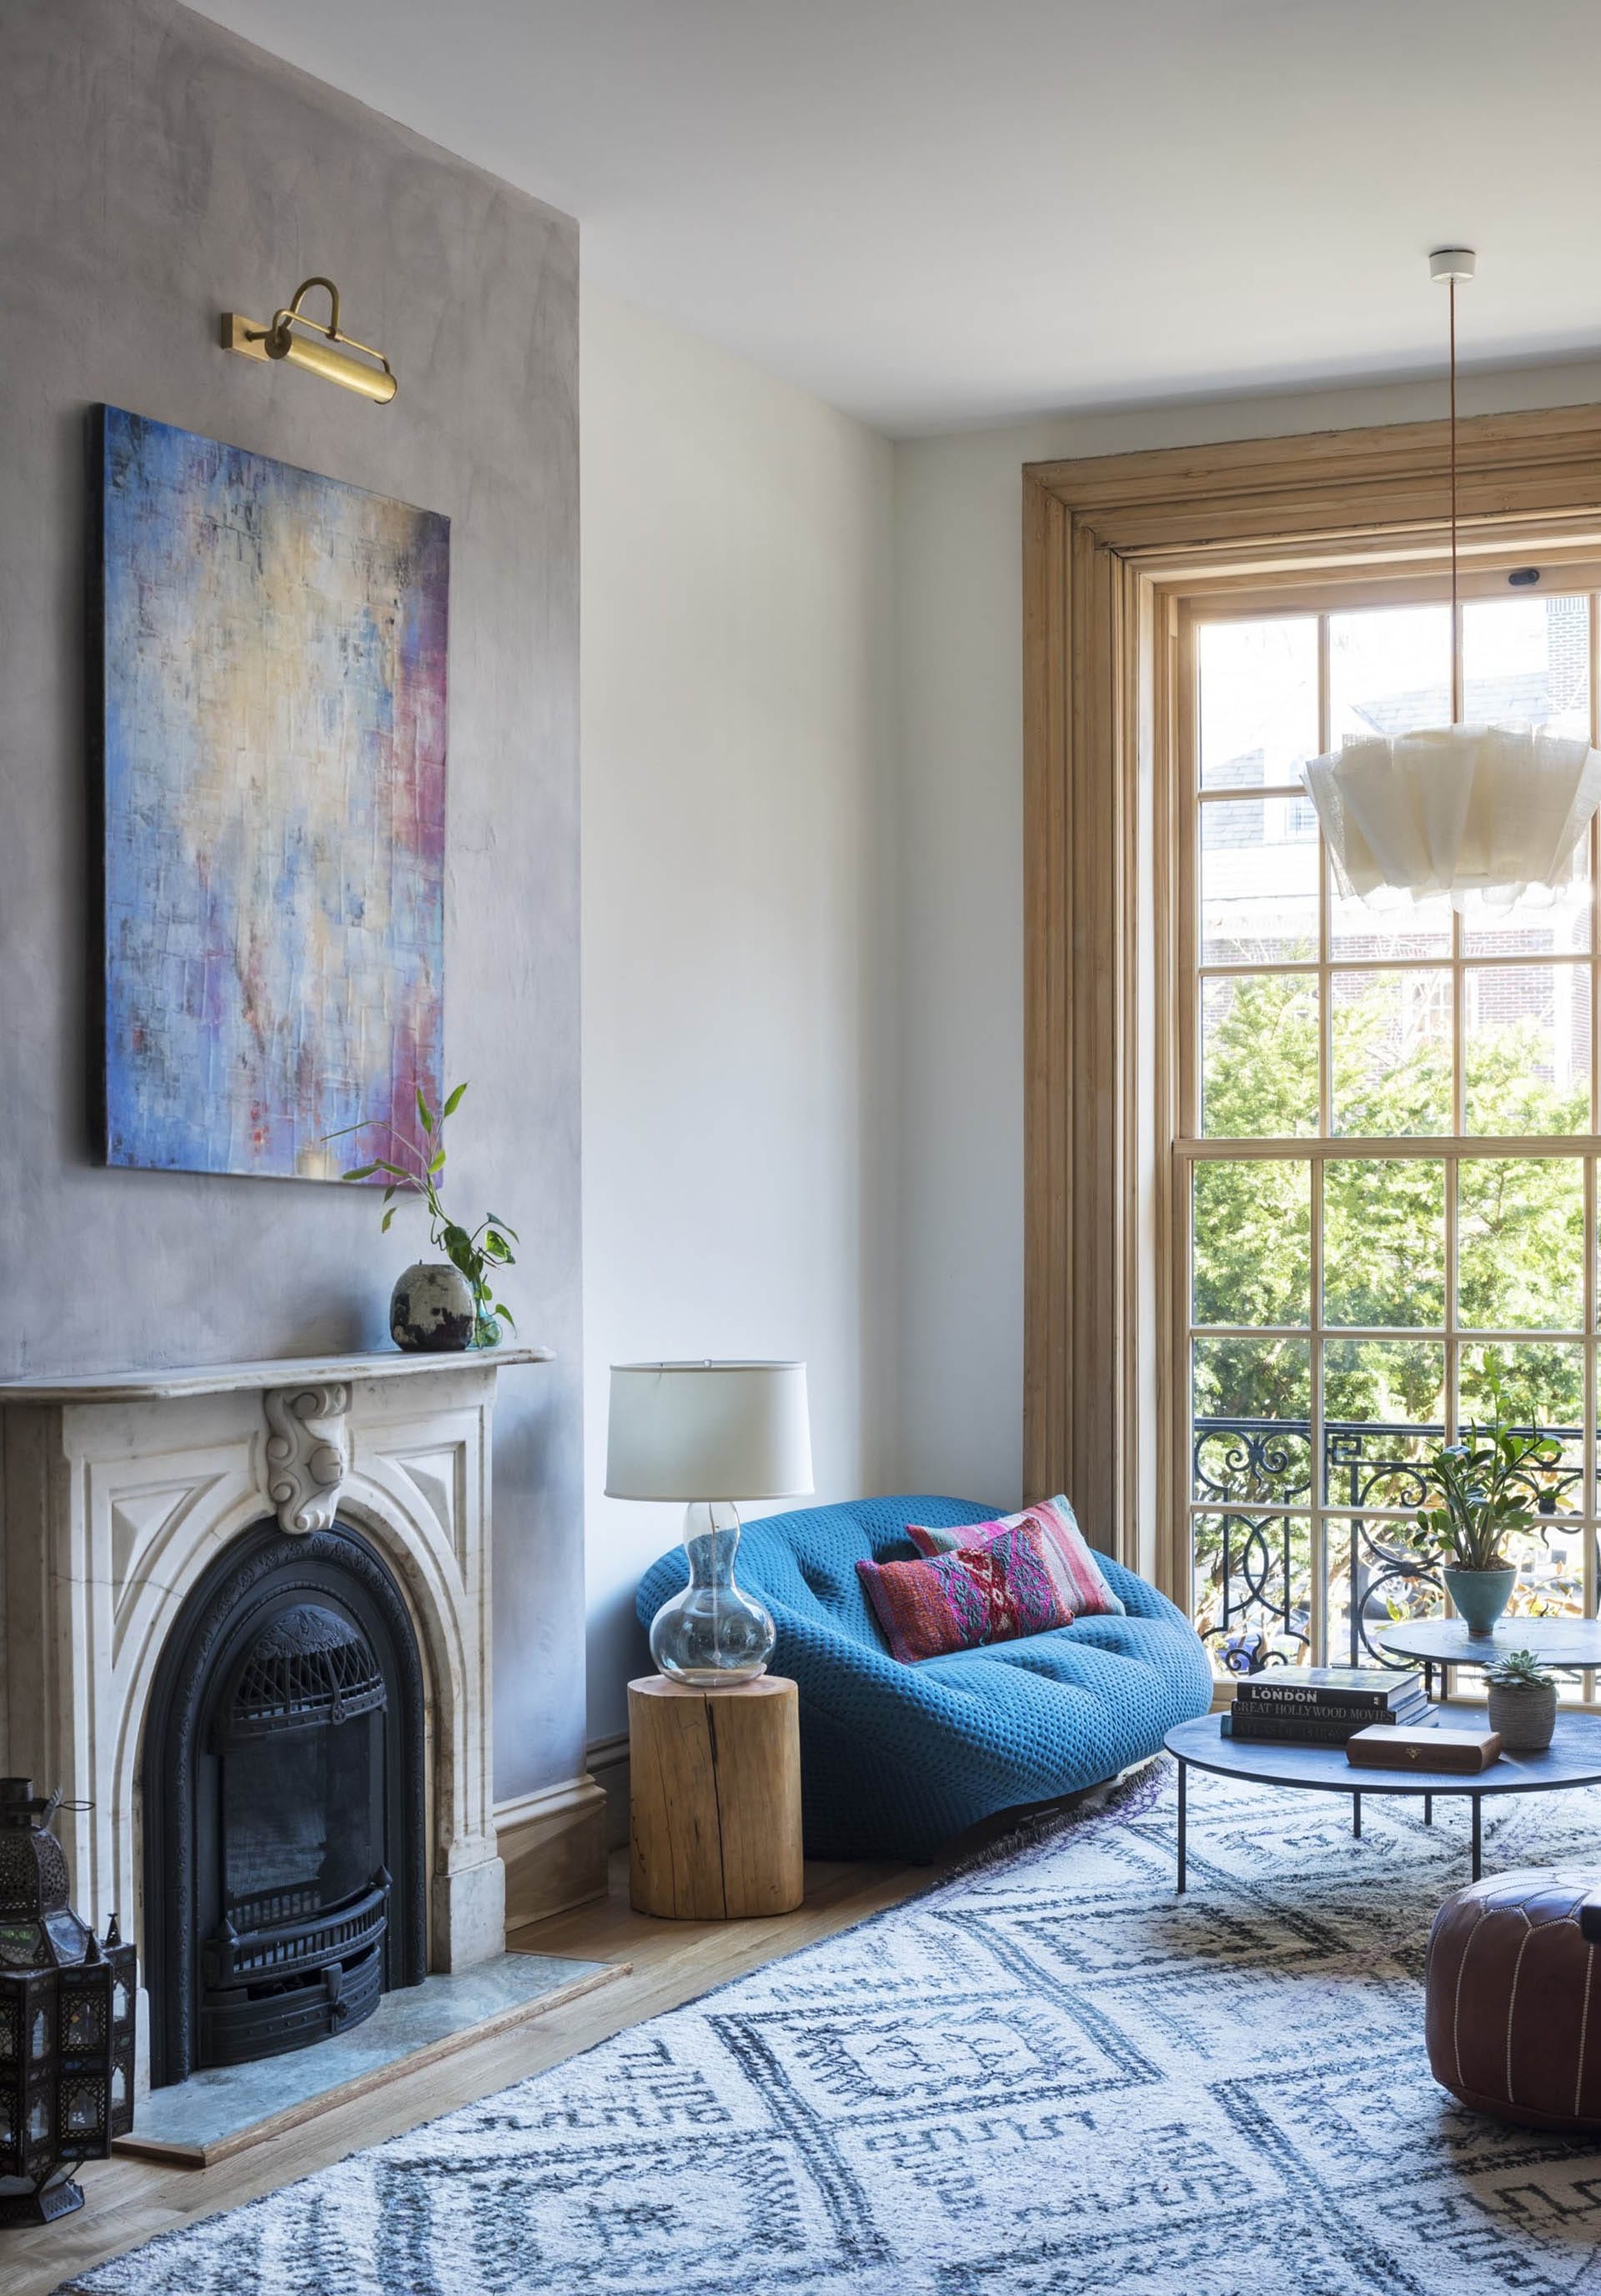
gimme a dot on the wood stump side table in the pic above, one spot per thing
(715, 1794)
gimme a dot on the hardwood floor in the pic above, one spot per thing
(129, 2201)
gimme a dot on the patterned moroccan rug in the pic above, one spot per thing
(1048, 2074)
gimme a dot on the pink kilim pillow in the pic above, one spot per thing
(1071, 1562)
(992, 1594)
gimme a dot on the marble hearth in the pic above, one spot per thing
(118, 1492)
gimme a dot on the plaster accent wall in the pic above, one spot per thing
(738, 1053)
(154, 171)
(958, 816)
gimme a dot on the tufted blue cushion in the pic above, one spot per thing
(897, 1759)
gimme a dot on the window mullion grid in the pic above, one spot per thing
(1453, 1333)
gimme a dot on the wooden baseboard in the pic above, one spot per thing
(608, 1763)
(554, 1845)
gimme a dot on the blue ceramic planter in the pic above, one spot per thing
(1479, 1595)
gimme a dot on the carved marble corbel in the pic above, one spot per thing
(307, 1453)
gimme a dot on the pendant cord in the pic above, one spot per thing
(1455, 606)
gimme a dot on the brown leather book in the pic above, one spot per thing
(1383, 1747)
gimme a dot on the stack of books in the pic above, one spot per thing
(1323, 1705)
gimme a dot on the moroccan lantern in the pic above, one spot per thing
(66, 2020)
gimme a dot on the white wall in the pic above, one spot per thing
(958, 1115)
(736, 690)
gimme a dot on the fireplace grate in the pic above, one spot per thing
(248, 1958)
(308, 1667)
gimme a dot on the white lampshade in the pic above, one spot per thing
(707, 1431)
(1455, 809)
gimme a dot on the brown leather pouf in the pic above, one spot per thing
(1514, 2011)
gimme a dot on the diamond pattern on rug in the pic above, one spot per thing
(1047, 2074)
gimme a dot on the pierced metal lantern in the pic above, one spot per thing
(66, 2020)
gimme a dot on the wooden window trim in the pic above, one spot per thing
(1112, 547)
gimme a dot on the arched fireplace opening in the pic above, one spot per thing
(283, 1801)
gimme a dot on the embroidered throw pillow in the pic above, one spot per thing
(991, 1593)
(1079, 1581)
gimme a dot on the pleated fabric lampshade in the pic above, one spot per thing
(1455, 809)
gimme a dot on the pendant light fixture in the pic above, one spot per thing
(1455, 808)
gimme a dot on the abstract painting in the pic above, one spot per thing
(273, 671)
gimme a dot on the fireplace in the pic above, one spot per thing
(240, 1600)
(284, 1803)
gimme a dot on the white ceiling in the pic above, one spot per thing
(936, 212)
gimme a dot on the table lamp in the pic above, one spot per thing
(710, 1433)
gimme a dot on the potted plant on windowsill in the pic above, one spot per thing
(1482, 1490)
(1523, 1702)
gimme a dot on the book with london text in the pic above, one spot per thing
(1361, 1689)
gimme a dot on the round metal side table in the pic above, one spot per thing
(1565, 1644)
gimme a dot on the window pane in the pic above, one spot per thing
(1526, 1048)
(1400, 928)
(1383, 1408)
(1259, 1058)
(1383, 1243)
(1390, 670)
(1259, 880)
(1543, 1387)
(1374, 1582)
(1549, 919)
(1252, 1252)
(1252, 1572)
(1392, 1051)
(1525, 661)
(1253, 1405)
(1259, 700)
(1520, 1230)
(1550, 1575)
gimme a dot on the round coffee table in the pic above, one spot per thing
(1573, 1758)
(1561, 1642)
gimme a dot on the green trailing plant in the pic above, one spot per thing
(1520, 1670)
(480, 1252)
(1482, 1489)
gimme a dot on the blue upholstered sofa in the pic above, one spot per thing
(895, 1760)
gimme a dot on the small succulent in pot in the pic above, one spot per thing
(450, 1305)
(1522, 1702)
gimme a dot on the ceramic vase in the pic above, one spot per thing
(1525, 1715)
(431, 1310)
(1479, 1595)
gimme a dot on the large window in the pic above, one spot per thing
(1385, 1157)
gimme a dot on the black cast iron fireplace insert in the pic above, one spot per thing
(284, 1804)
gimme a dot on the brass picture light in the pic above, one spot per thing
(322, 349)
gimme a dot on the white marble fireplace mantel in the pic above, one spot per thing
(118, 1491)
(272, 1371)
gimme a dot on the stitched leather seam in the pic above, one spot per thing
(1512, 2003)
(1584, 2022)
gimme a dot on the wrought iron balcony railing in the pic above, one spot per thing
(1255, 1569)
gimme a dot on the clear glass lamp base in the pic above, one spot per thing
(711, 1637)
